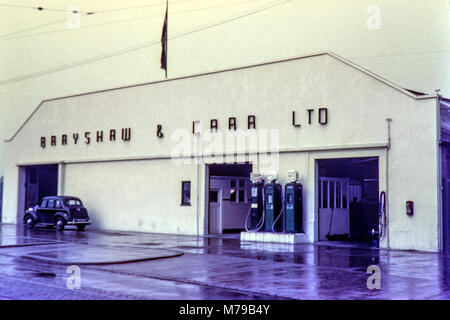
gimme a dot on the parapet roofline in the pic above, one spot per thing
(413, 94)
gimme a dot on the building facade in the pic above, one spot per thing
(175, 156)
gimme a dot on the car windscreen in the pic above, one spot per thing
(73, 202)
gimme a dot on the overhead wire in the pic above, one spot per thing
(232, 18)
(39, 8)
(143, 44)
(145, 6)
(31, 28)
(126, 20)
(83, 13)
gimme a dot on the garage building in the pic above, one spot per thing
(175, 156)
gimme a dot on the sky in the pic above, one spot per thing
(53, 52)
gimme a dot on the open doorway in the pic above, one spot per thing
(348, 199)
(41, 181)
(228, 197)
(1, 197)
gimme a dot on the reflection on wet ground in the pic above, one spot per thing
(251, 270)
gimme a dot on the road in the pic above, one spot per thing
(39, 264)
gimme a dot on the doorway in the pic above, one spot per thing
(228, 197)
(1, 197)
(215, 207)
(334, 215)
(40, 181)
(348, 199)
(445, 163)
(446, 216)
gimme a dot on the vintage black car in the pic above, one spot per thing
(58, 211)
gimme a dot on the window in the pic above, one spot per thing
(344, 195)
(338, 195)
(73, 202)
(44, 204)
(213, 196)
(238, 191)
(185, 193)
(51, 203)
(325, 195)
(233, 195)
(241, 195)
(58, 204)
(332, 198)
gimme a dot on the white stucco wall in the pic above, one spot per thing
(357, 103)
(135, 195)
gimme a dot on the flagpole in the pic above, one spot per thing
(164, 40)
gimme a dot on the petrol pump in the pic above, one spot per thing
(293, 204)
(273, 205)
(256, 201)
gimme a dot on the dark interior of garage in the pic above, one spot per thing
(42, 181)
(230, 170)
(363, 194)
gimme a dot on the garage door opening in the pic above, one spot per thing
(40, 182)
(348, 199)
(228, 197)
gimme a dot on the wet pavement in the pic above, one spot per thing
(130, 265)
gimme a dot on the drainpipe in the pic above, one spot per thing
(439, 168)
(198, 197)
(388, 147)
(199, 160)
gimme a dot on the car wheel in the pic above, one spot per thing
(81, 227)
(60, 223)
(29, 222)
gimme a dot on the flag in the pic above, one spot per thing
(164, 43)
